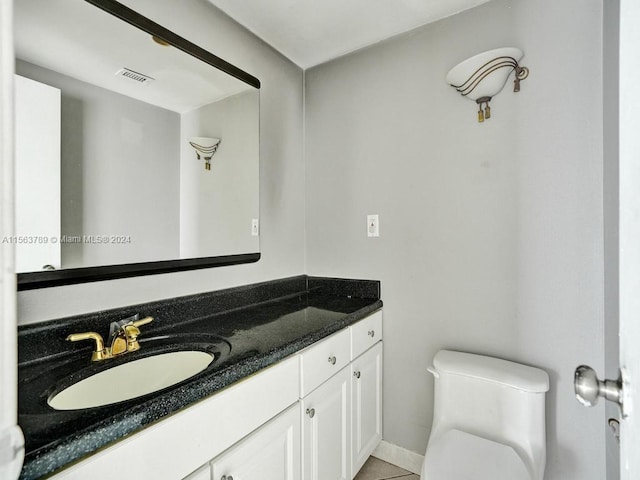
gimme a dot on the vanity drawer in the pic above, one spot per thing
(320, 362)
(365, 333)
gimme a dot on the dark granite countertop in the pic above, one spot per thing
(247, 329)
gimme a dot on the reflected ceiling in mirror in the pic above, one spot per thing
(108, 184)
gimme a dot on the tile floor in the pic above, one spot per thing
(375, 469)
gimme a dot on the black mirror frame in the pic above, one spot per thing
(55, 278)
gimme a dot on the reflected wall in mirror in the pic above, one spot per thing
(106, 177)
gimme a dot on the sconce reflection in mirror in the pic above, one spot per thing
(205, 147)
(483, 76)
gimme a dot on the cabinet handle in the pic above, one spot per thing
(332, 360)
(311, 412)
(356, 374)
(371, 333)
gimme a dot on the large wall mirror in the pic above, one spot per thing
(136, 151)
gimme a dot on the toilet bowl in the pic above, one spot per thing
(488, 419)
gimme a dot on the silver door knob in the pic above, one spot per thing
(371, 333)
(332, 360)
(356, 374)
(589, 388)
(311, 412)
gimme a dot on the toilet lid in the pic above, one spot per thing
(457, 455)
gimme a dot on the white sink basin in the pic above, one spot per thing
(131, 380)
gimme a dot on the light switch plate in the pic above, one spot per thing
(373, 226)
(255, 227)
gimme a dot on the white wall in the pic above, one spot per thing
(281, 174)
(491, 234)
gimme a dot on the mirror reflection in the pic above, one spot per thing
(127, 149)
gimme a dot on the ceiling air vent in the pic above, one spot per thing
(131, 75)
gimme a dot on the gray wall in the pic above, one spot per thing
(491, 234)
(281, 174)
(116, 152)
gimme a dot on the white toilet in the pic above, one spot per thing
(488, 419)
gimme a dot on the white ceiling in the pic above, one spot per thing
(81, 41)
(313, 32)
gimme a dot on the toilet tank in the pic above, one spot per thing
(491, 399)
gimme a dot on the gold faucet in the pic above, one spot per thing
(125, 340)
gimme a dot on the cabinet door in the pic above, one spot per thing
(270, 453)
(366, 400)
(326, 430)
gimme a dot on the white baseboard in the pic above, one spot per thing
(399, 456)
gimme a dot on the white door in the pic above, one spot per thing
(630, 236)
(11, 442)
(626, 389)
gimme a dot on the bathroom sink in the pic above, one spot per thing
(131, 380)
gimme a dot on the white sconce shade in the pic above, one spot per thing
(483, 76)
(205, 147)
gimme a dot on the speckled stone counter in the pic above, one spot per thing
(249, 328)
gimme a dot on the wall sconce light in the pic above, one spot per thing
(483, 76)
(205, 147)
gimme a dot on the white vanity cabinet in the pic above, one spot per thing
(313, 416)
(270, 453)
(342, 417)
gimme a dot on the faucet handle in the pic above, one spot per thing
(100, 353)
(142, 321)
(131, 332)
(125, 340)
